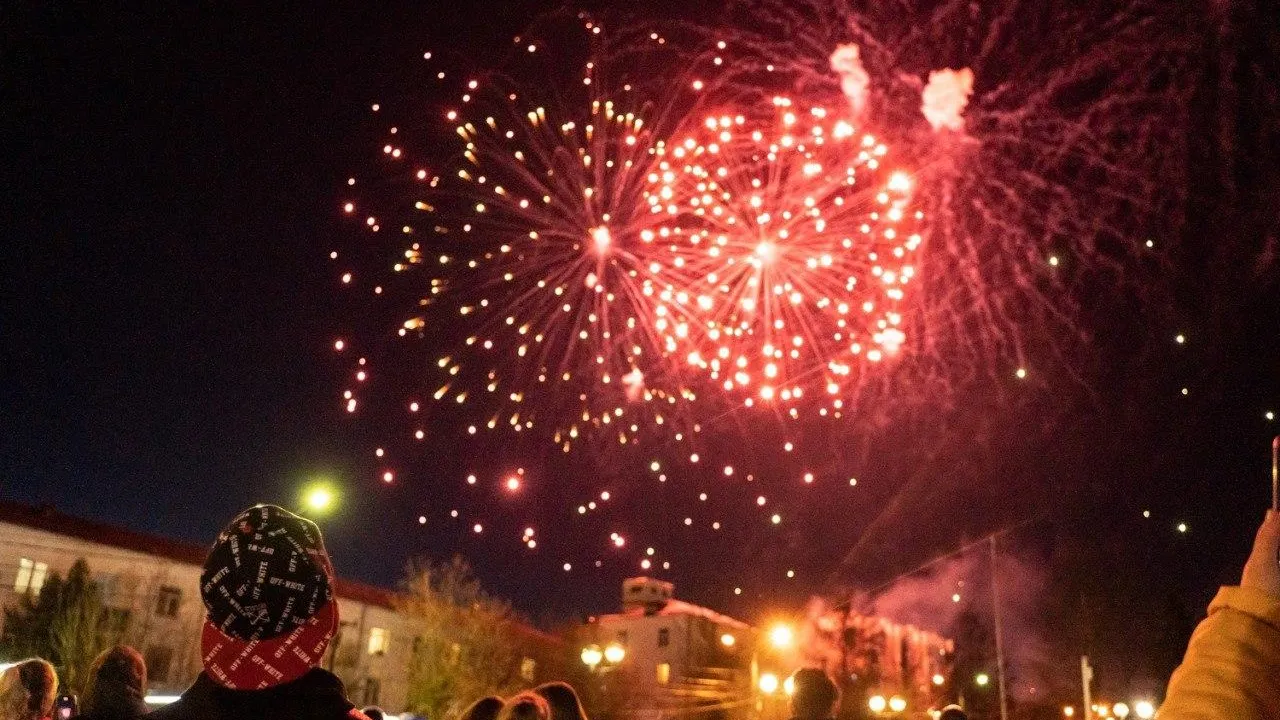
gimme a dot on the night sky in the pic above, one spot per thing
(168, 311)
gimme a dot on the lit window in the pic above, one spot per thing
(31, 576)
(664, 673)
(379, 640)
(528, 669)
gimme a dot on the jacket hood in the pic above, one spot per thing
(317, 695)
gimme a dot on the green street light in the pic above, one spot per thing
(318, 498)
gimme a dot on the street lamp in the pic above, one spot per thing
(1121, 710)
(877, 703)
(897, 704)
(591, 656)
(768, 683)
(1068, 711)
(318, 497)
(614, 653)
(789, 685)
(1144, 709)
(781, 636)
(982, 679)
(728, 640)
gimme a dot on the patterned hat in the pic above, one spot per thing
(267, 588)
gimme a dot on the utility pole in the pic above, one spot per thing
(995, 603)
(1086, 678)
(1275, 474)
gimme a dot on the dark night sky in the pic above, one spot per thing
(167, 306)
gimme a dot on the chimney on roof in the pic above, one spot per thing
(647, 594)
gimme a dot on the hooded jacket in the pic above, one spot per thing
(317, 695)
(1229, 672)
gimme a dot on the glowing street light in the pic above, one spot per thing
(1068, 711)
(982, 679)
(614, 653)
(728, 640)
(781, 636)
(591, 656)
(938, 679)
(318, 498)
(897, 704)
(789, 685)
(1144, 709)
(768, 683)
(877, 703)
(1121, 710)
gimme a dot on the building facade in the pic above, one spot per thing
(661, 657)
(878, 658)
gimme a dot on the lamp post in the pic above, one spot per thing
(995, 603)
(782, 636)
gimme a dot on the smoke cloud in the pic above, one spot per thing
(935, 599)
(945, 97)
(855, 83)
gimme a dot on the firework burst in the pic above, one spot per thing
(1046, 142)
(539, 296)
(793, 242)
(839, 197)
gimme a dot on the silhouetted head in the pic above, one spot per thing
(27, 690)
(551, 701)
(117, 683)
(815, 695)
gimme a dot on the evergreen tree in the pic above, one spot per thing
(61, 623)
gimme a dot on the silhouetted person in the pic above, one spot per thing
(1232, 666)
(550, 701)
(117, 686)
(815, 696)
(268, 591)
(563, 700)
(27, 690)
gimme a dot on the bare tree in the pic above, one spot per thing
(465, 644)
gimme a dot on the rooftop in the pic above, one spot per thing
(679, 607)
